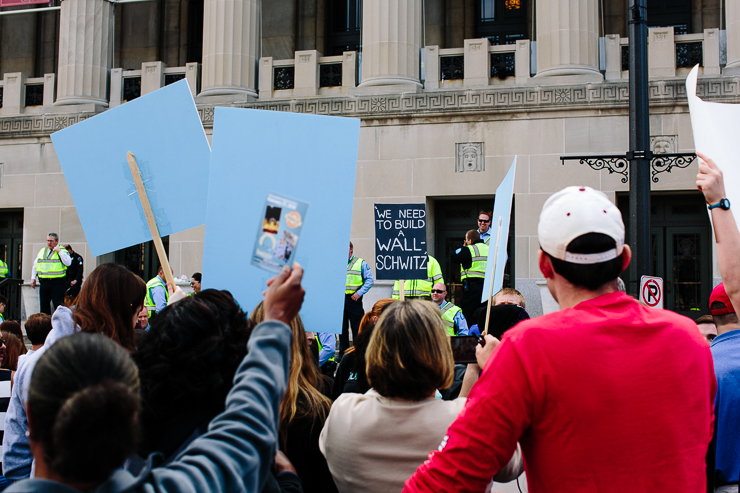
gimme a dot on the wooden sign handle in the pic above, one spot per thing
(150, 220)
(401, 294)
(493, 273)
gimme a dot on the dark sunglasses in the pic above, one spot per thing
(438, 291)
(2, 342)
(484, 221)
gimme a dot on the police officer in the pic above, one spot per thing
(359, 281)
(157, 295)
(327, 344)
(472, 258)
(451, 314)
(484, 226)
(50, 267)
(3, 270)
(420, 288)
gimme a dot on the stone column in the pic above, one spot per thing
(391, 44)
(231, 46)
(568, 40)
(732, 21)
(85, 51)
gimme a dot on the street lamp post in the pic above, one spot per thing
(639, 144)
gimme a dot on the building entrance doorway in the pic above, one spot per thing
(454, 218)
(11, 241)
(142, 259)
(681, 250)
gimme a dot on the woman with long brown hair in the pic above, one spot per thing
(108, 304)
(303, 412)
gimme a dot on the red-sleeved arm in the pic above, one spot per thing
(484, 436)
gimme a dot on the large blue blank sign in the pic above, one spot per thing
(308, 158)
(400, 241)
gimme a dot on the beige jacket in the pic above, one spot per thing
(374, 443)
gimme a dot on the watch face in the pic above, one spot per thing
(724, 204)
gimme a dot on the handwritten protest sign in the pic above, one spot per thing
(497, 252)
(307, 157)
(400, 241)
(163, 130)
(715, 134)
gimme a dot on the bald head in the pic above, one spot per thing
(441, 291)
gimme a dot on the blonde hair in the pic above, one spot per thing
(302, 397)
(409, 355)
(513, 291)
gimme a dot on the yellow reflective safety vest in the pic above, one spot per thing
(420, 287)
(448, 316)
(354, 275)
(49, 265)
(149, 300)
(3, 270)
(479, 254)
(331, 359)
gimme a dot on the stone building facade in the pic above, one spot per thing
(448, 92)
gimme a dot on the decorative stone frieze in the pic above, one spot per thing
(490, 100)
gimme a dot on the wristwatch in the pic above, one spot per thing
(723, 204)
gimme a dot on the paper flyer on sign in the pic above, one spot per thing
(278, 232)
(497, 257)
(715, 135)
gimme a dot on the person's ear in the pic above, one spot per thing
(545, 263)
(374, 319)
(626, 257)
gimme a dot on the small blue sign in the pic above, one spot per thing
(163, 131)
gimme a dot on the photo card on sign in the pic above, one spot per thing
(278, 232)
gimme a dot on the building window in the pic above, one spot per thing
(343, 26)
(503, 22)
(670, 13)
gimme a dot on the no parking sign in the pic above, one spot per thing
(651, 291)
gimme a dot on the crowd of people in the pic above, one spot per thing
(604, 395)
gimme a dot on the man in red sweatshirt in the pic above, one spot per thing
(604, 395)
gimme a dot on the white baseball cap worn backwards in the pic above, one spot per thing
(574, 212)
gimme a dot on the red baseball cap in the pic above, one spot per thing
(719, 294)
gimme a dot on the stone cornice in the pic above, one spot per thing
(490, 100)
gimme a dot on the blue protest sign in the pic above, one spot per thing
(497, 256)
(163, 130)
(400, 241)
(308, 158)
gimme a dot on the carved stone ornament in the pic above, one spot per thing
(470, 157)
(663, 144)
